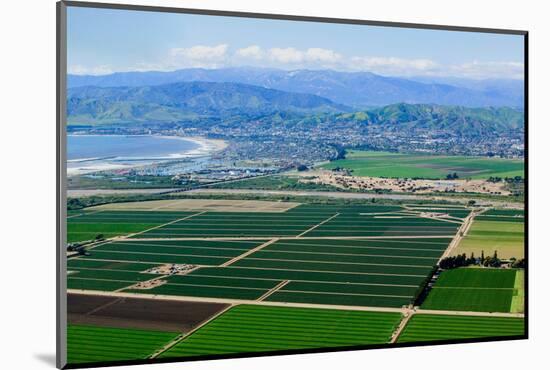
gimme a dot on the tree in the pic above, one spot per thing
(493, 261)
(454, 262)
(519, 264)
(471, 260)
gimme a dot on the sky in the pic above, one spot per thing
(103, 41)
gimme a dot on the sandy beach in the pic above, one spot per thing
(205, 148)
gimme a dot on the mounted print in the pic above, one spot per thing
(236, 185)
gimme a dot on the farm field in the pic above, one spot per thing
(86, 225)
(508, 215)
(320, 281)
(488, 233)
(250, 328)
(104, 275)
(423, 327)
(400, 165)
(86, 343)
(356, 255)
(303, 221)
(196, 252)
(198, 205)
(369, 272)
(453, 211)
(327, 258)
(518, 299)
(473, 289)
(138, 313)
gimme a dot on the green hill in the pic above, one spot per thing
(184, 101)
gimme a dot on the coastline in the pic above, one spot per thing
(206, 147)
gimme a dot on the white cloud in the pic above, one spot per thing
(392, 65)
(425, 67)
(320, 55)
(286, 55)
(200, 55)
(252, 51)
(94, 71)
(481, 70)
(315, 56)
(219, 56)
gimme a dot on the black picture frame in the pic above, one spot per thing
(61, 188)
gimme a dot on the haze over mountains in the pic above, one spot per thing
(354, 89)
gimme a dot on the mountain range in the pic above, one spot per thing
(235, 104)
(187, 101)
(355, 89)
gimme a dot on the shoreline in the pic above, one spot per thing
(84, 166)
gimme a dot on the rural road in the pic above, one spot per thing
(75, 193)
(352, 195)
(288, 304)
(72, 193)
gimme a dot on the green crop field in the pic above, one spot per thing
(422, 327)
(105, 275)
(200, 252)
(458, 212)
(473, 289)
(502, 234)
(248, 328)
(370, 272)
(518, 299)
(86, 225)
(383, 164)
(339, 254)
(299, 221)
(505, 212)
(86, 344)
(508, 215)
(318, 254)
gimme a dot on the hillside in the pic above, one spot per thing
(185, 101)
(358, 89)
(461, 120)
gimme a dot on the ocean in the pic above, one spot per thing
(127, 148)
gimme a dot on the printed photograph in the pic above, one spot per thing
(240, 186)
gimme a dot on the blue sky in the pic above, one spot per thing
(102, 41)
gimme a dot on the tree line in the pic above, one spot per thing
(462, 260)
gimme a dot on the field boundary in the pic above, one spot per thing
(468, 313)
(461, 232)
(273, 290)
(402, 324)
(290, 304)
(319, 224)
(182, 336)
(232, 301)
(248, 253)
(159, 226)
(225, 238)
(85, 213)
